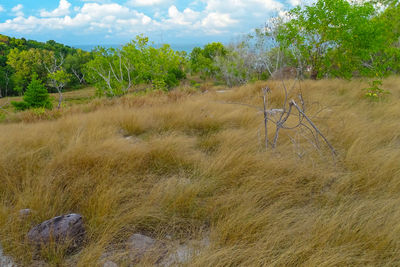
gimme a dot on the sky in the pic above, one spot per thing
(100, 22)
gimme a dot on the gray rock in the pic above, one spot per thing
(64, 230)
(110, 264)
(140, 245)
(6, 261)
(24, 213)
(184, 253)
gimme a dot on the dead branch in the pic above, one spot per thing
(266, 90)
(56, 65)
(293, 103)
(79, 77)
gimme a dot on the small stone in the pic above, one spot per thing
(110, 264)
(64, 230)
(6, 261)
(183, 253)
(24, 213)
(139, 245)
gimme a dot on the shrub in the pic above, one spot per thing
(20, 105)
(36, 96)
(375, 92)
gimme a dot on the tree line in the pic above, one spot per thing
(329, 38)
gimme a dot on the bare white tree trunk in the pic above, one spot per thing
(81, 78)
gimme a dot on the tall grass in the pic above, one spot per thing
(187, 165)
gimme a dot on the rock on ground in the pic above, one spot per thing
(140, 245)
(6, 261)
(24, 213)
(64, 230)
(110, 264)
(183, 253)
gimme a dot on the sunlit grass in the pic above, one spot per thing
(183, 164)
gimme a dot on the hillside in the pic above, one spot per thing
(186, 165)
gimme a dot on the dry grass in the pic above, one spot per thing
(184, 164)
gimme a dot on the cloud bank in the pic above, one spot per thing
(109, 19)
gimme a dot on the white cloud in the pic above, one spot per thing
(1, 8)
(268, 4)
(147, 2)
(236, 6)
(215, 22)
(96, 1)
(18, 10)
(188, 21)
(187, 17)
(91, 18)
(226, 13)
(61, 10)
(106, 17)
(295, 2)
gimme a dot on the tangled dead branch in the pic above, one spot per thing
(280, 117)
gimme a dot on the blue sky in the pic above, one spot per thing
(77, 22)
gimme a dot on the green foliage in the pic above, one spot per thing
(337, 38)
(5, 80)
(20, 105)
(202, 59)
(27, 62)
(114, 71)
(159, 85)
(39, 111)
(74, 64)
(375, 92)
(36, 96)
(59, 79)
(23, 57)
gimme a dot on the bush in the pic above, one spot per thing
(36, 96)
(20, 105)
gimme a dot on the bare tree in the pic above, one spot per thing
(119, 72)
(300, 123)
(80, 77)
(303, 120)
(58, 78)
(56, 64)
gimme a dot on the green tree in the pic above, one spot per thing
(202, 59)
(335, 37)
(36, 96)
(114, 71)
(74, 64)
(27, 62)
(59, 79)
(5, 80)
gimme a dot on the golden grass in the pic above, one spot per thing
(185, 165)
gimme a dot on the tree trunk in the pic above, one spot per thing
(59, 99)
(314, 74)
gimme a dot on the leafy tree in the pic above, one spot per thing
(36, 96)
(27, 62)
(335, 37)
(25, 57)
(59, 80)
(5, 80)
(202, 59)
(74, 64)
(114, 71)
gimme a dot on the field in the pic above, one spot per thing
(188, 164)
